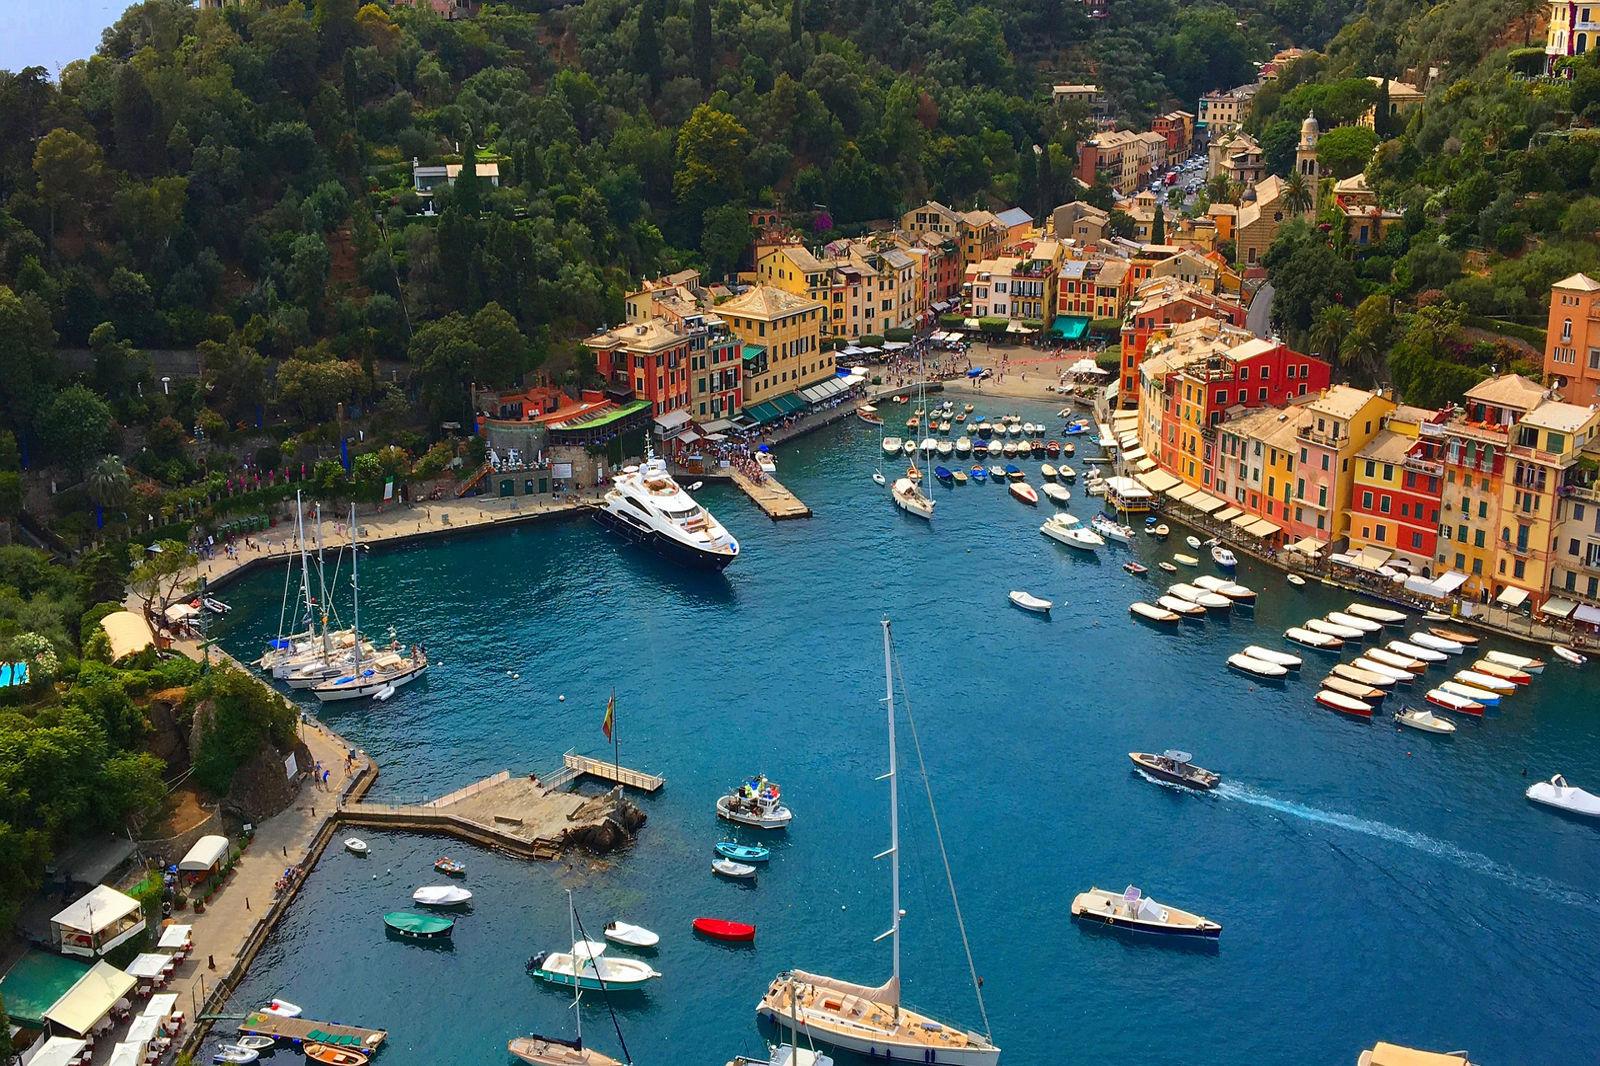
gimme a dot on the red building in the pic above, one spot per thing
(1157, 307)
(650, 360)
(1397, 488)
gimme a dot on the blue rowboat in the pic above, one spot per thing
(978, 473)
(743, 852)
(942, 473)
(1013, 471)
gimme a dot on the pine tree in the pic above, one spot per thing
(700, 42)
(465, 192)
(1158, 227)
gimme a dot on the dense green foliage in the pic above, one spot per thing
(239, 717)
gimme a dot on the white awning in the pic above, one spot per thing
(1308, 546)
(148, 964)
(1179, 491)
(1144, 466)
(98, 910)
(178, 612)
(1556, 607)
(206, 853)
(1130, 417)
(57, 1051)
(896, 346)
(1134, 454)
(91, 999)
(143, 1029)
(161, 1006)
(1157, 480)
(1263, 527)
(1512, 596)
(1227, 514)
(1242, 520)
(1127, 440)
(1204, 502)
(127, 1053)
(672, 420)
(1586, 613)
(1370, 558)
(1127, 488)
(175, 936)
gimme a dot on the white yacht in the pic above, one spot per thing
(911, 499)
(647, 506)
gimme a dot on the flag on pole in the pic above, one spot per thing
(611, 716)
(388, 489)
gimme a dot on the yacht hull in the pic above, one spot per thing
(873, 1044)
(666, 547)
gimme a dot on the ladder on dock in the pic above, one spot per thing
(583, 765)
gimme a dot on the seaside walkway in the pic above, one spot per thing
(770, 495)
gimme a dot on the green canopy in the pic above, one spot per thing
(1069, 327)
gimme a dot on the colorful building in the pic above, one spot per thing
(1545, 445)
(781, 335)
(1396, 490)
(648, 359)
(1572, 339)
(1332, 430)
(1155, 307)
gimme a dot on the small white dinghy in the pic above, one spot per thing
(355, 846)
(282, 1008)
(235, 1053)
(1296, 580)
(879, 479)
(1444, 644)
(1516, 662)
(634, 936)
(736, 870)
(1029, 602)
(1267, 655)
(441, 896)
(1366, 625)
(1576, 658)
(1057, 494)
(1425, 720)
(1251, 665)
(1564, 797)
(256, 1041)
(1193, 542)
(1152, 613)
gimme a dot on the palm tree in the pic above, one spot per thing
(107, 482)
(1296, 193)
(1364, 359)
(1330, 329)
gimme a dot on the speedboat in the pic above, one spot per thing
(738, 871)
(587, 967)
(1110, 529)
(1131, 911)
(1056, 493)
(1365, 625)
(1424, 720)
(1223, 557)
(1574, 657)
(911, 499)
(1282, 658)
(1259, 667)
(1378, 614)
(1179, 605)
(879, 479)
(1160, 531)
(355, 845)
(414, 926)
(755, 803)
(1451, 702)
(1493, 668)
(1030, 603)
(1319, 641)
(256, 1041)
(441, 896)
(646, 506)
(1025, 492)
(633, 936)
(1177, 767)
(1338, 701)
(1562, 796)
(1152, 613)
(1516, 662)
(1052, 448)
(1428, 640)
(1065, 529)
(1426, 655)
(980, 449)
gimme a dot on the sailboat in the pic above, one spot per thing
(872, 1021)
(907, 494)
(386, 671)
(552, 1050)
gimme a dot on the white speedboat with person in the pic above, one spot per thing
(1564, 797)
(755, 802)
(1130, 910)
(645, 505)
(1065, 529)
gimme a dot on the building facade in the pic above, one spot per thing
(1572, 339)
(781, 338)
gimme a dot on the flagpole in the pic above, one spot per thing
(616, 746)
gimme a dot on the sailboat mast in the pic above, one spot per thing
(355, 587)
(577, 991)
(894, 820)
(322, 592)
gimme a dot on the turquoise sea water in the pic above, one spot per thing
(1371, 884)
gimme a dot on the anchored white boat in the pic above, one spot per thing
(1056, 493)
(1251, 665)
(909, 497)
(1354, 689)
(1452, 702)
(1179, 605)
(587, 967)
(1130, 910)
(1472, 692)
(1421, 654)
(1393, 673)
(1111, 530)
(1332, 629)
(1320, 641)
(755, 802)
(1516, 662)
(737, 870)
(1487, 665)
(1396, 660)
(1030, 603)
(1152, 613)
(1488, 681)
(1338, 701)
(1223, 557)
(1065, 529)
(441, 896)
(1365, 625)
(1562, 796)
(1282, 658)
(355, 845)
(1209, 600)
(1232, 589)
(893, 446)
(646, 506)
(633, 936)
(1186, 560)
(1377, 614)
(1024, 492)
(1428, 640)
(1576, 658)
(1425, 720)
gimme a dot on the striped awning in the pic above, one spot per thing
(1227, 514)
(1204, 502)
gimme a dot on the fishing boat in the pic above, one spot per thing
(1424, 720)
(1354, 689)
(1570, 655)
(1365, 625)
(1494, 668)
(1451, 702)
(1236, 592)
(1319, 641)
(1209, 600)
(633, 936)
(235, 1053)
(329, 1055)
(959, 476)
(1166, 567)
(441, 896)
(892, 446)
(1065, 529)
(1393, 673)
(978, 474)
(1186, 560)
(1025, 492)
(873, 1022)
(730, 849)
(414, 926)
(1052, 448)
(1223, 557)
(1338, 701)
(755, 802)
(281, 1008)
(1282, 658)
(1056, 494)
(1472, 692)
(1136, 569)
(943, 474)
(737, 871)
(723, 929)
(869, 414)
(1178, 605)
(1110, 529)
(1177, 767)
(1152, 613)
(963, 445)
(1428, 640)
(1333, 629)
(355, 845)
(1132, 912)
(1377, 614)
(1259, 667)
(1466, 639)
(1030, 603)
(1066, 475)
(450, 867)
(1516, 662)
(1488, 681)
(1562, 796)
(587, 966)
(997, 472)
(1395, 659)
(1370, 678)
(1426, 655)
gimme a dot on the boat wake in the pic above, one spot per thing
(1467, 860)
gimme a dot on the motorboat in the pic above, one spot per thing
(1333, 629)
(959, 476)
(329, 1055)
(1516, 662)
(1166, 567)
(1369, 678)
(879, 479)
(946, 449)
(1365, 625)
(1282, 658)
(978, 474)
(1421, 654)
(1472, 692)
(1259, 667)
(235, 1053)
(355, 846)
(1193, 542)
(1377, 614)
(1393, 673)
(414, 926)
(256, 1041)
(1296, 580)
(282, 1008)
(1015, 472)
(633, 936)
(1354, 689)
(909, 448)
(587, 966)
(963, 445)
(1056, 494)
(1338, 701)
(869, 414)
(1136, 569)
(1030, 603)
(646, 506)
(1428, 640)
(1160, 531)
(980, 449)
(738, 871)
(1179, 605)
(1425, 721)
(1110, 529)
(1570, 655)
(911, 499)
(1488, 681)
(1232, 589)
(441, 896)
(997, 472)
(1185, 560)
(1494, 668)
(1460, 637)
(943, 474)
(1452, 702)
(754, 802)
(1177, 767)
(1131, 911)
(1209, 600)
(1152, 613)
(1025, 492)
(1319, 641)
(1395, 659)
(450, 867)
(730, 849)
(1027, 428)
(928, 446)
(1562, 796)
(723, 929)
(1065, 529)
(1223, 557)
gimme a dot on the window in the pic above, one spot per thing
(1383, 504)
(1244, 373)
(1416, 540)
(1325, 462)
(1371, 467)
(1383, 533)
(1261, 394)
(1366, 501)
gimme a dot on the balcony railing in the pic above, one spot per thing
(1316, 437)
(1589, 492)
(1423, 466)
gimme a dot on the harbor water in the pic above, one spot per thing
(1371, 883)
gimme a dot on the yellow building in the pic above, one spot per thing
(868, 286)
(782, 338)
(1544, 444)
(1333, 429)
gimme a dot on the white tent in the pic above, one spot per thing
(147, 965)
(1086, 366)
(143, 1029)
(179, 612)
(127, 1053)
(176, 936)
(90, 1000)
(206, 853)
(161, 1006)
(98, 922)
(57, 1051)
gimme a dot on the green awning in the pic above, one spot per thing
(752, 352)
(790, 403)
(1069, 327)
(764, 412)
(36, 982)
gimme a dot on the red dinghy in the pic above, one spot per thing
(722, 929)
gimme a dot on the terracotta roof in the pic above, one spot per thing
(1387, 447)
(764, 301)
(1508, 390)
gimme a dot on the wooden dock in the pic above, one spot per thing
(306, 1031)
(770, 495)
(583, 765)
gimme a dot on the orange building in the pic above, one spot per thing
(1572, 340)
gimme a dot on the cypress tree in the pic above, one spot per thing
(1158, 228)
(797, 19)
(1381, 124)
(464, 193)
(647, 45)
(700, 41)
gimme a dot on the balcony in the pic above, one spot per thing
(1423, 466)
(1588, 492)
(1328, 440)
(1431, 429)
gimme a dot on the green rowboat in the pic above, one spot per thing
(419, 926)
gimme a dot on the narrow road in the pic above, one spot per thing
(1259, 316)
